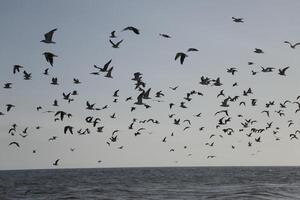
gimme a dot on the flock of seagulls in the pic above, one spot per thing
(146, 98)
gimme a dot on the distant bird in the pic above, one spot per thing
(237, 20)
(49, 57)
(232, 70)
(9, 107)
(48, 37)
(115, 45)
(108, 75)
(90, 106)
(165, 35)
(113, 34)
(76, 81)
(27, 76)
(173, 88)
(192, 49)
(7, 85)
(258, 51)
(46, 71)
(133, 29)
(15, 143)
(282, 71)
(210, 157)
(293, 46)
(56, 162)
(54, 81)
(182, 57)
(17, 68)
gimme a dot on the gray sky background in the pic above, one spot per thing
(82, 40)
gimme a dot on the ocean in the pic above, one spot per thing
(152, 183)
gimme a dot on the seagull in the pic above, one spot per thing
(49, 57)
(192, 49)
(15, 143)
(108, 75)
(46, 71)
(293, 46)
(56, 162)
(133, 29)
(181, 55)
(165, 35)
(17, 68)
(7, 85)
(115, 45)
(113, 34)
(258, 50)
(282, 71)
(48, 37)
(237, 20)
(9, 107)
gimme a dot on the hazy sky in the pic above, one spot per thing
(82, 40)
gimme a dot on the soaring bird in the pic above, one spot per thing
(282, 71)
(237, 20)
(9, 107)
(113, 34)
(15, 143)
(192, 49)
(108, 74)
(165, 35)
(49, 57)
(133, 29)
(182, 56)
(258, 50)
(105, 67)
(48, 37)
(115, 45)
(56, 162)
(293, 46)
(7, 85)
(17, 68)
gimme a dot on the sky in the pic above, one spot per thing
(82, 41)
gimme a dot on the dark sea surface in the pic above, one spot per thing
(153, 183)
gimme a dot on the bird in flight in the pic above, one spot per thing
(115, 45)
(165, 35)
(15, 143)
(48, 37)
(256, 50)
(293, 46)
(237, 20)
(113, 34)
(133, 29)
(182, 56)
(17, 68)
(56, 162)
(282, 71)
(49, 57)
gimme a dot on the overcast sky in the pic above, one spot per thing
(82, 40)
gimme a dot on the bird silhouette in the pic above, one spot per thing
(113, 34)
(49, 57)
(56, 162)
(115, 45)
(108, 75)
(48, 37)
(17, 68)
(237, 20)
(165, 35)
(14, 143)
(282, 71)
(293, 46)
(182, 57)
(133, 29)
